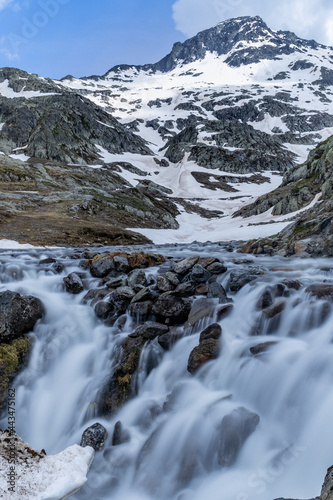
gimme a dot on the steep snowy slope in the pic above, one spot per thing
(222, 117)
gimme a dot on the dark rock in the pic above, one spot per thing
(163, 284)
(320, 291)
(294, 284)
(120, 436)
(224, 311)
(94, 295)
(216, 291)
(167, 340)
(101, 266)
(207, 350)
(140, 311)
(117, 282)
(141, 296)
(18, 315)
(216, 268)
(103, 309)
(235, 430)
(126, 292)
(95, 436)
(186, 289)
(213, 331)
(73, 283)
(202, 308)
(150, 330)
(199, 274)
(186, 265)
(327, 488)
(136, 277)
(171, 308)
(265, 300)
(58, 267)
(241, 277)
(121, 264)
(277, 308)
(172, 277)
(260, 348)
(207, 261)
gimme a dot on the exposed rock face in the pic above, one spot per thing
(95, 436)
(18, 315)
(312, 230)
(235, 430)
(327, 489)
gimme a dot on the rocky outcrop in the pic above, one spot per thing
(18, 316)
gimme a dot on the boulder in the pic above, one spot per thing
(120, 436)
(18, 315)
(150, 330)
(275, 309)
(235, 430)
(142, 295)
(140, 311)
(163, 284)
(186, 265)
(199, 274)
(171, 308)
(241, 277)
(73, 284)
(216, 291)
(207, 261)
(216, 268)
(265, 300)
(224, 311)
(208, 348)
(136, 277)
(202, 308)
(167, 340)
(101, 266)
(260, 348)
(121, 264)
(186, 289)
(125, 292)
(94, 436)
(320, 291)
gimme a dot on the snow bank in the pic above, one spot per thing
(38, 476)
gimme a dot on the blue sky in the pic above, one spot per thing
(83, 37)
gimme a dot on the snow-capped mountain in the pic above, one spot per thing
(223, 116)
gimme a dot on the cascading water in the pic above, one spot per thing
(173, 425)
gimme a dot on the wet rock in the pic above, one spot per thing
(18, 314)
(163, 284)
(293, 284)
(126, 292)
(13, 358)
(235, 430)
(167, 340)
(224, 311)
(94, 295)
(73, 283)
(186, 289)
(101, 266)
(136, 277)
(202, 290)
(117, 282)
(121, 264)
(186, 265)
(199, 274)
(208, 348)
(320, 291)
(213, 331)
(327, 489)
(217, 268)
(265, 300)
(216, 291)
(277, 308)
(103, 309)
(150, 330)
(202, 308)
(241, 277)
(207, 261)
(260, 348)
(95, 436)
(120, 436)
(172, 277)
(171, 308)
(143, 295)
(119, 387)
(140, 311)
(58, 267)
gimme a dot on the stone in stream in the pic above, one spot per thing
(265, 299)
(94, 436)
(199, 274)
(186, 289)
(320, 291)
(163, 284)
(234, 431)
(73, 283)
(150, 330)
(241, 277)
(216, 268)
(173, 309)
(120, 436)
(18, 314)
(273, 310)
(216, 291)
(121, 264)
(185, 265)
(136, 277)
(101, 266)
(208, 348)
(260, 348)
(202, 308)
(224, 311)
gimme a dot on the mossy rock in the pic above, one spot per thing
(13, 357)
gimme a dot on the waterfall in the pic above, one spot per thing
(173, 424)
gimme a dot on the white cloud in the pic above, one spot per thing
(307, 18)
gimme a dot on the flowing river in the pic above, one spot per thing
(173, 423)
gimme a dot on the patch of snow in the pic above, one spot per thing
(8, 92)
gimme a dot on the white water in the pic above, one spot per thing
(172, 451)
